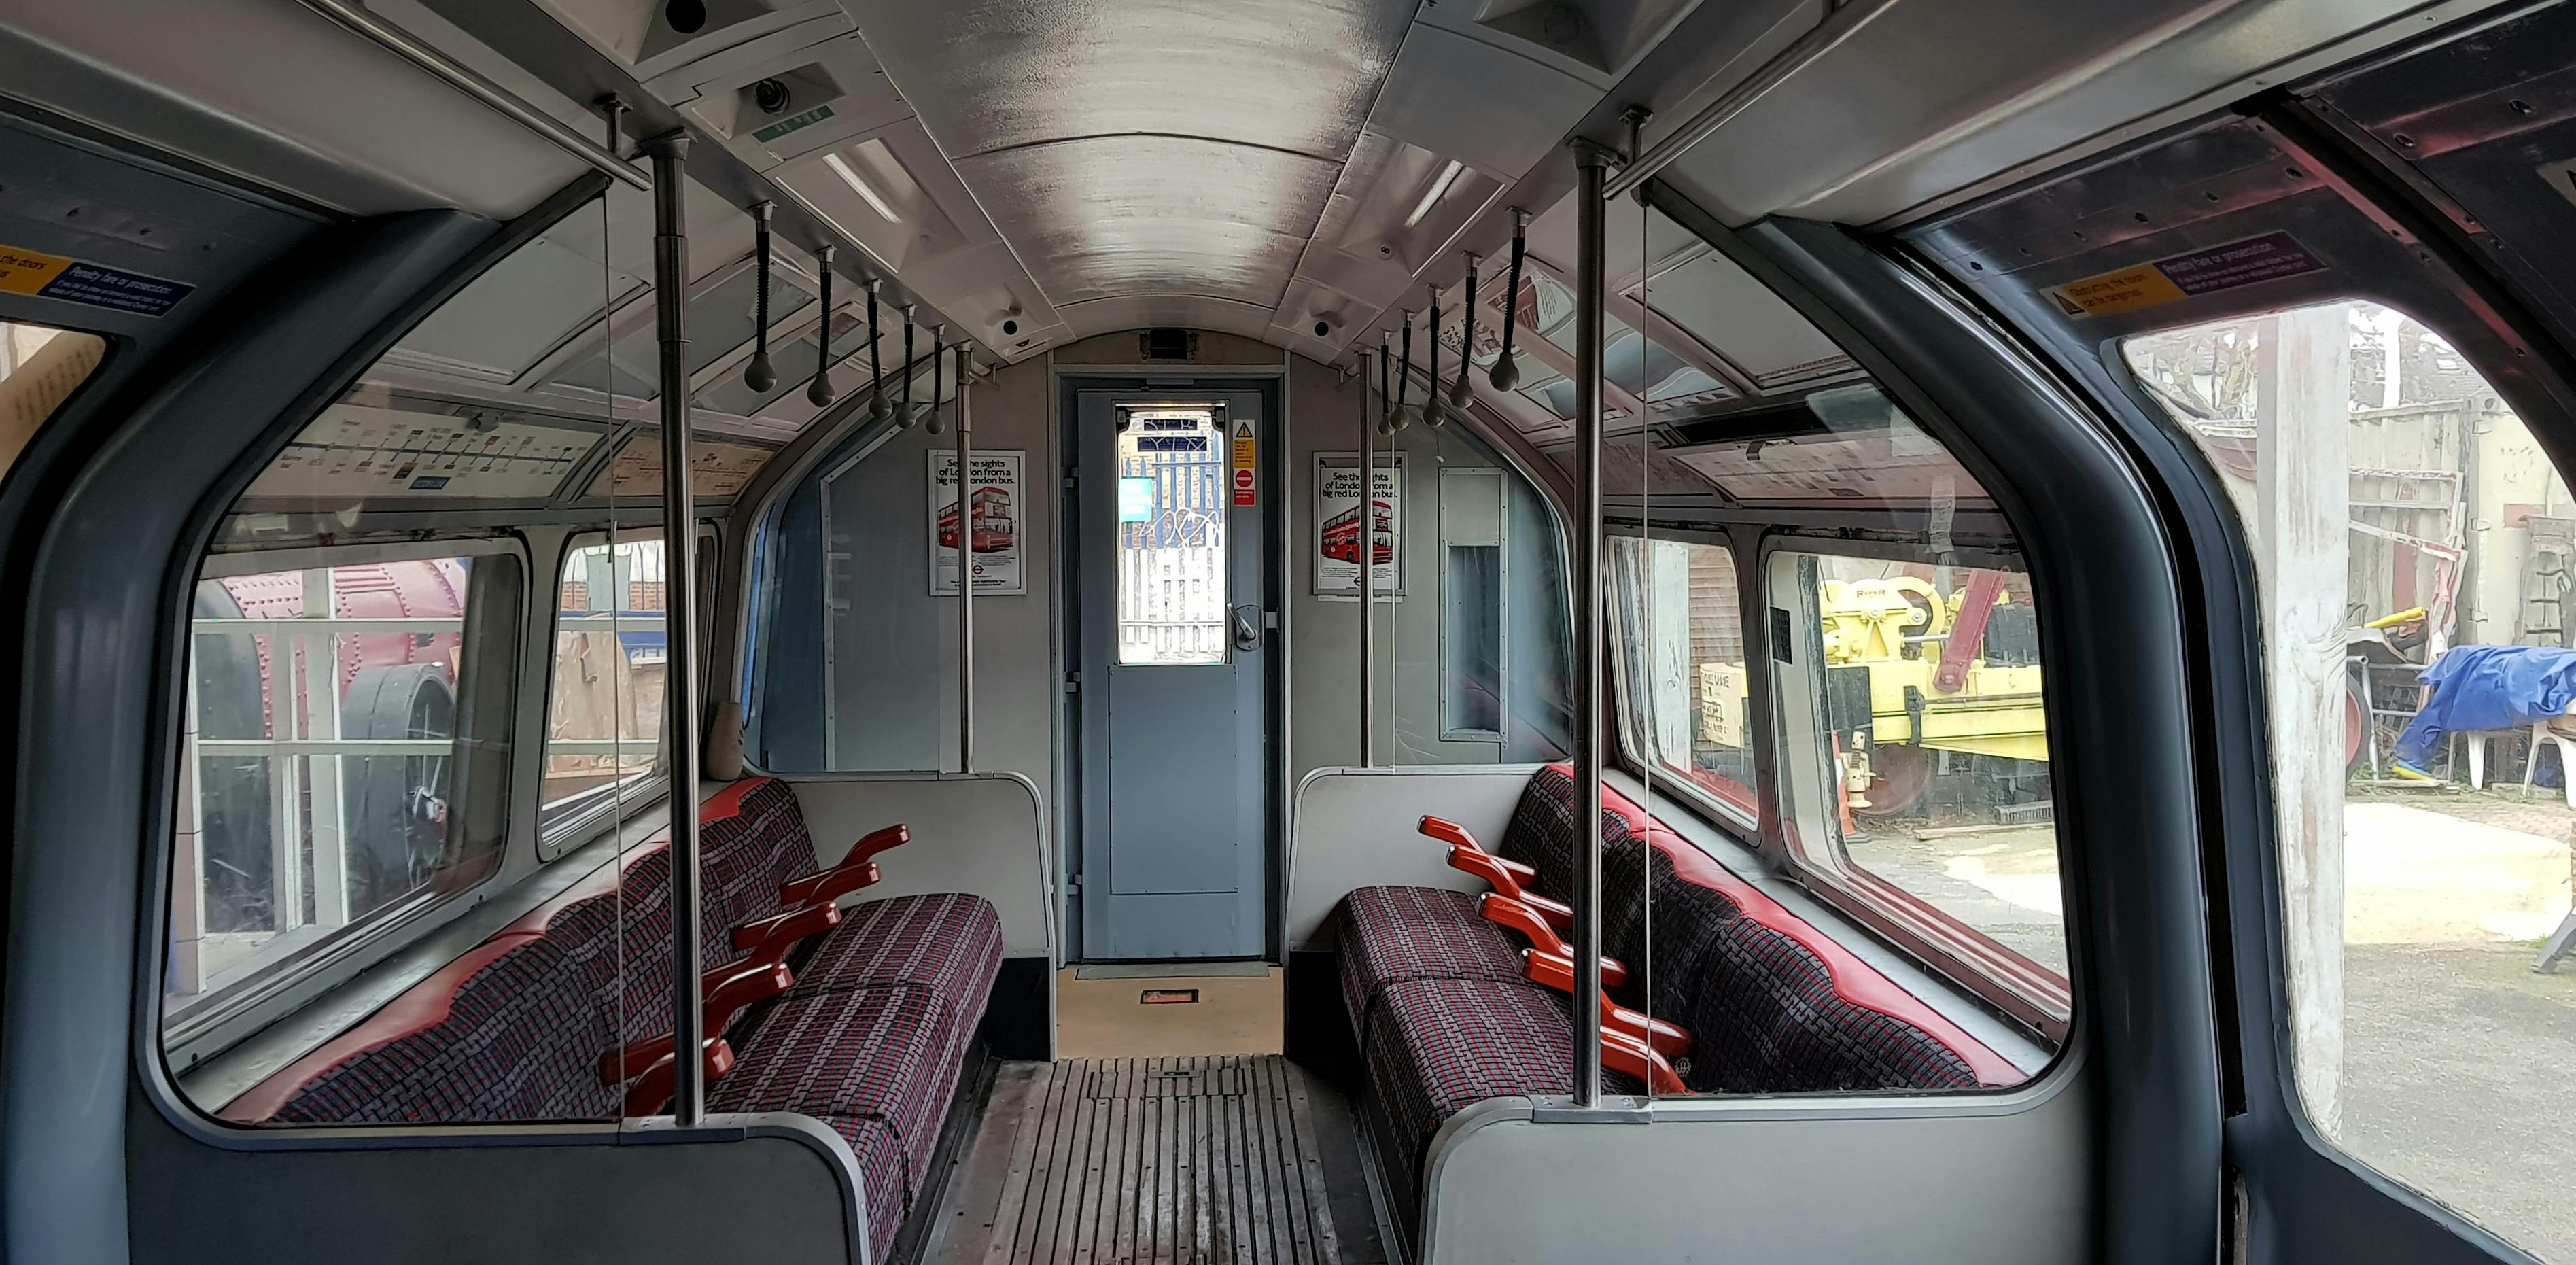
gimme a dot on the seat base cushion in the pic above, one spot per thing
(1393, 935)
(947, 942)
(882, 1167)
(885, 1054)
(1438, 1046)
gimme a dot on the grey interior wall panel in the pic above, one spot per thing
(1358, 828)
(894, 670)
(1324, 635)
(1779, 1181)
(580, 1198)
(984, 834)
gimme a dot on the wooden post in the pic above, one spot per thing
(2302, 520)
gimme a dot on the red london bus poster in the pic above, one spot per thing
(1338, 531)
(992, 524)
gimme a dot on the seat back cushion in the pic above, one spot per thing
(751, 839)
(519, 1039)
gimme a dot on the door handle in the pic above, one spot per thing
(1247, 627)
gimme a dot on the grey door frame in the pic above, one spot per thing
(1075, 799)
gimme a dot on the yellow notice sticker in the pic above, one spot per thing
(2142, 286)
(2253, 261)
(1245, 485)
(25, 271)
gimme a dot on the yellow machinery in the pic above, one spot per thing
(1909, 672)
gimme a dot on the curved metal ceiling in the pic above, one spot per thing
(1129, 147)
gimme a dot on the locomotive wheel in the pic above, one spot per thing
(395, 805)
(1903, 775)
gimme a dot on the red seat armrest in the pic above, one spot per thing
(1490, 868)
(653, 1088)
(725, 991)
(1556, 970)
(825, 886)
(1623, 1052)
(770, 938)
(1521, 874)
(1448, 832)
(874, 842)
(1504, 911)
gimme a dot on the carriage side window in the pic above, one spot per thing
(334, 742)
(1677, 617)
(1915, 748)
(604, 708)
(2411, 544)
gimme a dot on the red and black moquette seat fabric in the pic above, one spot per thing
(1392, 935)
(511, 1032)
(948, 942)
(1442, 1045)
(752, 840)
(889, 1054)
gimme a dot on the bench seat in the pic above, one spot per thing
(1392, 935)
(872, 1038)
(1773, 1005)
(1442, 1045)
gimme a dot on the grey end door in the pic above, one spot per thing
(1173, 640)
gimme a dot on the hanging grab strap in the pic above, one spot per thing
(1507, 374)
(1433, 412)
(879, 406)
(760, 375)
(821, 392)
(1461, 393)
(904, 416)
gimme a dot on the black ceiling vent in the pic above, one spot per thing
(1168, 343)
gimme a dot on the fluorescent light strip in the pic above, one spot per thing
(851, 178)
(1439, 188)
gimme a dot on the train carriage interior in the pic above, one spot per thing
(1318, 632)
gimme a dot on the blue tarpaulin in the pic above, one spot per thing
(2479, 688)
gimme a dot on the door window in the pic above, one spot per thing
(1171, 555)
(2411, 543)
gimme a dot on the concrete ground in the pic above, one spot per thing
(2457, 1058)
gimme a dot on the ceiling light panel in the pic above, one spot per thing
(868, 192)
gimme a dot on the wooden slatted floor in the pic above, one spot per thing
(1191, 1161)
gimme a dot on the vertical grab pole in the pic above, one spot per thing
(679, 617)
(1590, 217)
(1367, 556)
(965, 572)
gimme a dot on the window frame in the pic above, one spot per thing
(313, 969)
(1745, 818)
(1501, 611)
(600, 814)
(2022, 990)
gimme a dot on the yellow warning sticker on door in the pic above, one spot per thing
(25, 271)
(2269, 257)
(1245, 482)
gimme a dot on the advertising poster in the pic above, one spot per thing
(991, 527)
(1337, 527)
